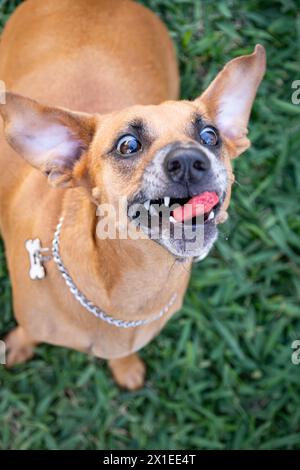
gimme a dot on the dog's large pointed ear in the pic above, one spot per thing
(50, 139)
(228, 99)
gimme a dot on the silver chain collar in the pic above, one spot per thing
(87, 304)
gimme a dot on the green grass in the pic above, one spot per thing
(220, 374)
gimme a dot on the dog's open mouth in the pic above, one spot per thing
(187, 226)
(199, 209)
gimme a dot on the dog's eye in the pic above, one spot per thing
(128, 144)
(209, 136)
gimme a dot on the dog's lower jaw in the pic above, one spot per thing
(205, 252)
(189, 250)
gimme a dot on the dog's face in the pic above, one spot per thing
(171, 161)
(161, 157)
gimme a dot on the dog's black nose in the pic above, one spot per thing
(186, 165)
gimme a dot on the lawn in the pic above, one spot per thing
(220, 375)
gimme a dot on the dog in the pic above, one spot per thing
(93, 115)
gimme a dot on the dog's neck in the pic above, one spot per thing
(127, 278)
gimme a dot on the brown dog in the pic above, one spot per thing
(112, 62)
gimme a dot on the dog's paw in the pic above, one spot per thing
(128, 372)
(18, 348)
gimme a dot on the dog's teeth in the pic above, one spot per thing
(153, 211)
(167, 201)
(171, 219)
(211, 215)
(147, 204)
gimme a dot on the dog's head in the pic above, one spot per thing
(173, 158)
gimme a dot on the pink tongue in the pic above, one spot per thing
(201, 204)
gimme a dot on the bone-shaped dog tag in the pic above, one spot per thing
(37, 270)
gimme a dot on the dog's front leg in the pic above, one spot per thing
(128, 372)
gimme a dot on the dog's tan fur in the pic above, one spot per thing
(109, 59)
